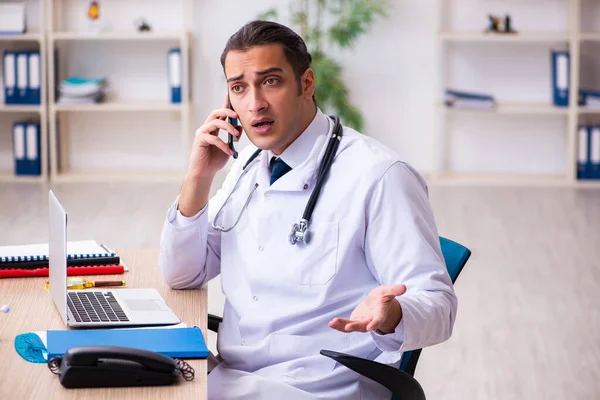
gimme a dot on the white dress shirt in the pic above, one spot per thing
(371, 226)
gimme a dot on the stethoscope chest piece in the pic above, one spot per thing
(300, 233)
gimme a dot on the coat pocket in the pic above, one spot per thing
(316, 261)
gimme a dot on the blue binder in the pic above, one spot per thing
(9, 61)
(560, 78)
(174, 72)
(22, 77)
(34, 81)
(171, 342)
(33, 149)
(582, 152)
(19, 148)
(594, 152)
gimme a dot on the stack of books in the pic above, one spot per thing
(459, 99)
(78, 90)
(84, 258)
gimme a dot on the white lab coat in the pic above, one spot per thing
(372, 225)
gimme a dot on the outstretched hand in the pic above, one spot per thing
(378, 311)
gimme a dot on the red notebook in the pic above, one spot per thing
(71, 271)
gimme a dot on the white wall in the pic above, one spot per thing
(392, 74)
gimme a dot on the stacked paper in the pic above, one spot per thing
(455, 98)
(79, 90)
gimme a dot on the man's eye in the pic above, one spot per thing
(236, 88)
(271, 81)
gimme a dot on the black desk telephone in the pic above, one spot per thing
(113, 366)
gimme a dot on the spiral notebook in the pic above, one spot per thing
(80, 253)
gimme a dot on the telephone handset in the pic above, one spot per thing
(230, 138)
(115, 366)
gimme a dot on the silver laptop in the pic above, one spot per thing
(96, 308)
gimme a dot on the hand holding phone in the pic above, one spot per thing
(230, 137)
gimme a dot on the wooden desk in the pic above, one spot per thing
(32, 309)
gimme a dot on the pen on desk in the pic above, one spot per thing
(81, 283)
(85, 284)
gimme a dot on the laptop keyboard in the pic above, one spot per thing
(95, 307)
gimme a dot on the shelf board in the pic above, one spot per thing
(527, 37)
(121, 106)
(120, 176)
(9, 176)
(513, 108)
(588, 110)
(23, 37)
(512, 179)
(116, 36)
(590, 36)
(498, 179)
(592, 184)
(21, 108)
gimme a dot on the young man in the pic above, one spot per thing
(370, 282)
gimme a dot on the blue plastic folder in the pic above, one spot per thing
(171, 342)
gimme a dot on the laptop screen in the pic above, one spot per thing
(57, 252)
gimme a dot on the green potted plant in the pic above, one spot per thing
(349, 19)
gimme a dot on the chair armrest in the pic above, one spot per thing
(213, 322)
(402, 385)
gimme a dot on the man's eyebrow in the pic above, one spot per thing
(235, 78)
(263, 72)
(269, 70)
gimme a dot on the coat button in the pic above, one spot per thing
(260, 248)
(305, 186)
(255, 298)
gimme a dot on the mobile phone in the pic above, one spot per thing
(230, 137)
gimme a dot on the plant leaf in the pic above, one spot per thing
(270, 14)
(331, 93)
(355, 18)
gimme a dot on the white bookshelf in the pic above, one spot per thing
(154, 176)
(525, 37)
(32, 39)
(512, 108)
(570, 117)
(19, 108)
(73, 124)
(25, 37)
(590, 36)
(122, 106)
(114, 36)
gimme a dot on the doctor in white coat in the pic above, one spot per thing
(370, 282)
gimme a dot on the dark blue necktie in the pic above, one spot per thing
(278, 169)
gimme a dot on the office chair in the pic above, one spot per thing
(400, 382)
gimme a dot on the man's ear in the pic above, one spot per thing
(308, 83)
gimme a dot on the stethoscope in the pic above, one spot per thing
(300, 232)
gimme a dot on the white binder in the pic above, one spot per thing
(582, 153)
(595, 153)
(174, 71)
(22, 78)
(34, 92)
(10, 77)
(19, 147)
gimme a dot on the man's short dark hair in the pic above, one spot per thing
(260, 33)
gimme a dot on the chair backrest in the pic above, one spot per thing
(455, 256)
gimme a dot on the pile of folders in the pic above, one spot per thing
(96, 263)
